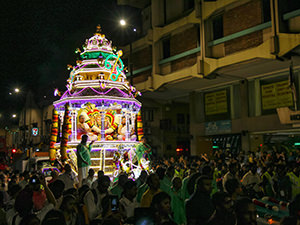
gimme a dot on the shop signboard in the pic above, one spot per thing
(215, 103)
(218, 127)
(276, 95)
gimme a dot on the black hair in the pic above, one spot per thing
(28, 219)
(66, 199)
(231, 185)
(129, 185)
(158, 198)
(57, 188)
(219, 197)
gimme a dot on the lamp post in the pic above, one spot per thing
(130, 63)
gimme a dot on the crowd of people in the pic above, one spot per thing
(214, 190)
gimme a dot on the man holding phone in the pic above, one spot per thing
(83, 158)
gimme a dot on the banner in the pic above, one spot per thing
(218, 127)
(215, 103)
(276, 95)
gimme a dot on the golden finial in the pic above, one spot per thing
(98, 29)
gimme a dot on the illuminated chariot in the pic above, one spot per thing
(101, 103)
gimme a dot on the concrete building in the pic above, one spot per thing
(214, 72)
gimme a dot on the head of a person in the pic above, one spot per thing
(153, 181)
(223, 202)
(170, 171)
(54, 217)
(203, 184)
(103, 184)
(160, 171)
(233, 186)
(84, 138)
(245, 212)
(176, 183)
(68, 168)
(130, 189)
(122, 179)
(91, 172)
(232, 168)
(207, 171)
(161, 203)
(57, 187)
(81, 119)
(30, 219)
(100, 173)
(68, 204)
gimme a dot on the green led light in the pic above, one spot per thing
(297, 144)
(215, 146)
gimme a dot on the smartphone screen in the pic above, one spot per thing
(114, 203)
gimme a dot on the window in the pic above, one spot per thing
(266, 10)
(166, 48)
(148, 115)
(188, 4)
(217, 25)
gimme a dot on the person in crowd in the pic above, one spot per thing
(2, 209)
(154, 184)
(161, 206)
(68, 177)
(234, 189)
(166, 183)
(95, 183)
(118, 188)
(83, 158)
(24, 178)
(245, 212)
(294, 176)
(251, 181)
(283, 186)
(93, 198)
(128, 202)
(268, 181)
(69, 209)
(13, 192)
(199, 208)
(57, 188)
(90, 178)
(232, 173)
(224, 210)
(143, 149)
(177, 201)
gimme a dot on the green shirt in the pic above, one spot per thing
(83, 155)
(177, 205)
(140, 150)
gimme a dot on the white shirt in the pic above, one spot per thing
(129, 206)
(69, 180)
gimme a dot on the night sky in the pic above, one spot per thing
(39, 38)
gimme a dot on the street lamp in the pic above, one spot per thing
(122, 22)
(13, 115)
(17, 90)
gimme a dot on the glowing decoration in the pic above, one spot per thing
(65, 134)
(57, 92)
(117, 69)
(53, 138)
(140, 130)
(35, 131)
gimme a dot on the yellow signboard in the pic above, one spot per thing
(276, 95)
(216, 103)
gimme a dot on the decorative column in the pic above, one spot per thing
(102, 125)
(74, 125)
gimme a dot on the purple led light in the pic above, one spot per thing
(100, 93)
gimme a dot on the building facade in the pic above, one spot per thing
(213, 73)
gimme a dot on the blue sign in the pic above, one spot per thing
(218, 127)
